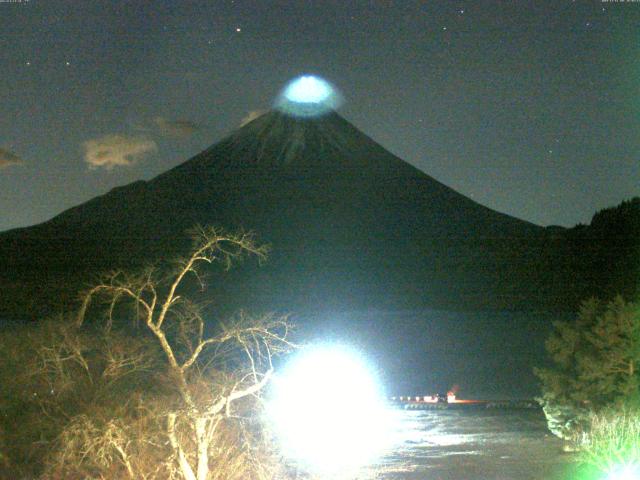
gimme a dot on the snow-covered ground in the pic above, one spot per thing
(472, 444)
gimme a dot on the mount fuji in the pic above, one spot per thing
(349, 223)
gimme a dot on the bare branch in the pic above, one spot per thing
(206, 374)
(185, 467)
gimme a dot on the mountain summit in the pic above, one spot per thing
(350, 225)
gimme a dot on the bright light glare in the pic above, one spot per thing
(629, 472)
(308, 96)
(329, 411)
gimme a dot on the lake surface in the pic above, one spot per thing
(488, 355)
(472, 444)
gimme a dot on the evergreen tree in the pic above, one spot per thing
(596, 359)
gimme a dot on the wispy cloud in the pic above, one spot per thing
(251, 116)
(8, 158)
(116, 151)
(175, 128)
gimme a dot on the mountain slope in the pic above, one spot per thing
(349, 223)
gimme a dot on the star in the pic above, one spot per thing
(28, 64)
(67, 63)
(444, 28)
(238, 29)
(461, 11)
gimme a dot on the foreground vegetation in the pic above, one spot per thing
(591, 395)
(613, 442)
(147, 390)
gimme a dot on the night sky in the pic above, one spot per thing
(530, 108)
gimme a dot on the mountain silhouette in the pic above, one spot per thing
(350, 226)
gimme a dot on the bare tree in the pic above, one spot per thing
(217, 378)
(54, 374)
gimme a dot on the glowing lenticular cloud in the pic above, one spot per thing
(308, 96)
(308, 89)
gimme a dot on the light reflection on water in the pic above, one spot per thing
(470, 444)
